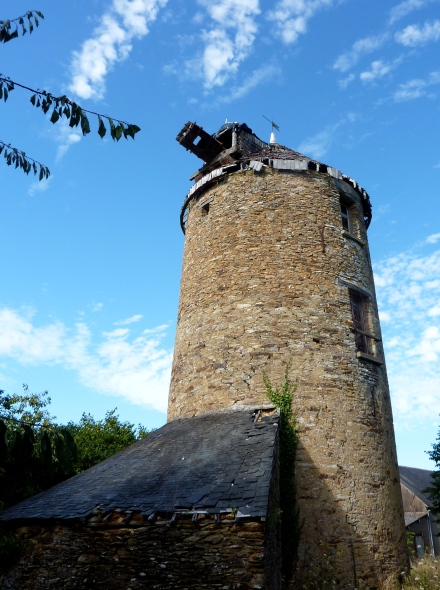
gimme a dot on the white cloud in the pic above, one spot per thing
(259, 76)
(433, 239)
(292, 16)
(97, 307)
(66, 137)
(39, 186)
(228, 42)
(434, 311)
(361, 47)
(401, 10)
(378, 69)
(414, 35)
(110, 43)
(408, 291)
(135, 367)
(130, 320)
(346, 81)
(318, 145)
(416, 88)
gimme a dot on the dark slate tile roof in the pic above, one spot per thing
(411, 517)
(277, 151)
(215, 462)
(416, 480)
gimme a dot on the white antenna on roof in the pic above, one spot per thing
(274, 126)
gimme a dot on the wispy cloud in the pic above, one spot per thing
(131, 320)
(65, 137)
(110, 43)
(416, 88)
(415, 35)
(39, 186)
(318, 145)
(433, 239)
(378, 69)
(401, 10)
(133, 366)
(361, 47)
(292, 16)
(229, 41)
(257, 77)
(408, 290)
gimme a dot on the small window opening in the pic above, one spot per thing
(345, 217)
(205, 209)
(360, 311)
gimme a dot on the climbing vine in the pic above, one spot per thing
(282, 397)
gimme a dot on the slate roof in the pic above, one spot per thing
(416, 480)
(411, 517)
(277, 151)
(218, 462)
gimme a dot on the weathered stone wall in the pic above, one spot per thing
(227, 555)
(264, 281)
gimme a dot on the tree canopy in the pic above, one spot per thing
(61, 107)
(97, 440)
(434, 490)
(37, 453)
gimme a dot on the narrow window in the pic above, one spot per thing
(205, 209)
(345, 217)
(360, 311)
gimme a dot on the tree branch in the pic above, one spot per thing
(9, 28)
(73, 112)
(20, 160)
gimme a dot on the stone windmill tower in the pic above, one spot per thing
(277, 268)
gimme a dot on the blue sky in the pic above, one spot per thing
(91, 258)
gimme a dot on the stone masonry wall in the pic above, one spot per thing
(265, 280)
(228, 555)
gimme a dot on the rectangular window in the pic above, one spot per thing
(360, 311)
(345, 217)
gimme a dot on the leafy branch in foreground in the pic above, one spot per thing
(62, 107)
(69, 109)
(9, 29)
(20, 160)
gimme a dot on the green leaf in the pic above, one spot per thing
(112, 128)
(101, 129)
(85, 125)
(135, 129)
(118, 132)
(54, 117)
(131, 131)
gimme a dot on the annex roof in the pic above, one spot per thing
(416, 480)
(217, 462)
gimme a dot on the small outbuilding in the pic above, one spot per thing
(416, 505)
(193, 505)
